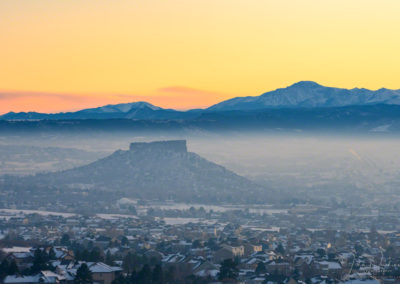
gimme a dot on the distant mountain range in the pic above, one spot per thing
(137, 110)
(301, 106)
(304, 94)
(308, 94)
(157, 170)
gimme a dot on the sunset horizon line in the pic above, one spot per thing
(165, 97)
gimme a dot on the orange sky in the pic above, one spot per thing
(70, 54)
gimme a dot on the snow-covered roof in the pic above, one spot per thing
(16, 249)
(362, 281)
(331, 264)
(99, 267)
(21, 279)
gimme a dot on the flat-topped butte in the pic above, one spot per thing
(170, 145)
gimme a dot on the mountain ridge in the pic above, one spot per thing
(303, 94)
(308, 94)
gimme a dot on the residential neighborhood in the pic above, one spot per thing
(199, 246)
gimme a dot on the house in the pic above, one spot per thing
(173, 259)
(278, 266)
(61, 253)
(42, 277)
(20, 279)
(23, 260)
(332, 269)
(249, 249)
(102, 241)
(228, 252)
(101, 272)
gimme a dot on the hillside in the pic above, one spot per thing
(158, 170)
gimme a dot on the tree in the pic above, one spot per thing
(193, 279)
(83, 275)
(153, 261)
(8, 268)
(331, 256)
(196, 244)
(321, 252)
(132, 210)
(131, 261)
(280, 249)
(296, 274)
(170, 275)
(96, 255)
(124, 241)
(120, 279)
(228, 270)
(261, 268)
(52, 254)
(109, 258)
(12, 268)
(275, 277)
(83, 255)
(158, 276)
(4, 268)
(40, 261)
(2, 254)
(390, 252)
(65, 240)
(132, 278)
(144, 275)
(359, 249)
(212, 244)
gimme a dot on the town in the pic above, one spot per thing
(176, 243)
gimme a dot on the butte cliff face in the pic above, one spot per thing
(157, 170)
(159, 146)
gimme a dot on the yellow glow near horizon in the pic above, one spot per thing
(70, 54)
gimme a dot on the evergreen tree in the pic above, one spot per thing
(132, 278)
(321, 252)
(132, 210)
(65, 240)
(158, 276)
(4, 268)
(132, 261)
(170, 275)
(52, 254)
(96, 255)
(196, 244)
(280, 249)
(124, 241)
(83, 275)
(12, 268)
(128, 262)
(40, 261)
(228, 270)
(120, 279)
(109, 258)
(85, 255)
(261, 268)
(144, 275)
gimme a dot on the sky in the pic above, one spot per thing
(67, 55)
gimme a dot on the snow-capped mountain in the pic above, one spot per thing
(135, 110)
(307, 94)
(121, 108)
(302, 105)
